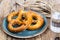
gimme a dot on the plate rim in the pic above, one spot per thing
(27, 36)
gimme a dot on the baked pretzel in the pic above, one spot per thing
(37, 21)
(21, 26)
(11, 15)
(24, 17)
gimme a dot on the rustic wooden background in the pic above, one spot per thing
(6, 5)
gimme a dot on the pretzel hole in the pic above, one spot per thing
(33, 23)
(16, 25)
(34, 18)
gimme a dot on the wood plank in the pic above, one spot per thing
(18, 39)
(30, 38)
(3, 36)
(52, 35)
(9, 38)
(45, 35)
(39, 37)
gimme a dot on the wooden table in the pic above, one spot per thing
(47, 35)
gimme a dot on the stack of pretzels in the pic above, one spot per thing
(22, 20)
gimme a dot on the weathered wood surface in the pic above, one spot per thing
(6, 6)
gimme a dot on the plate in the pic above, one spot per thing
(26, 33)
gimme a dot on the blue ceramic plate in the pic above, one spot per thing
(26, 33)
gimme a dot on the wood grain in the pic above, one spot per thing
(7, 6)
